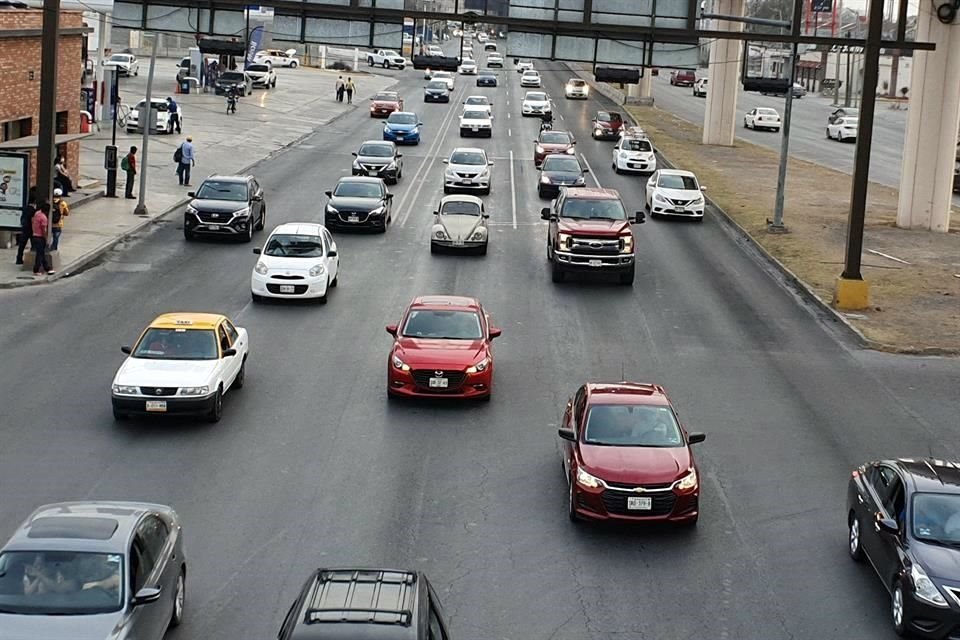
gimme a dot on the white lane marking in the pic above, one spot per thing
(560, 115)
(592, 173)
(513, 192)
(508, 116)
(510, 134)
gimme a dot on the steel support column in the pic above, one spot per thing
(719, 122)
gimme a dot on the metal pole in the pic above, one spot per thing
(836, 81)
(861, 167)
(777, 225)
(47, 140)
(98, 68)
(846, 93)
(141, 209)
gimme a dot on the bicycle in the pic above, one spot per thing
(123, 112)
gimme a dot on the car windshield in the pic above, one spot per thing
(555, 137)
(386, 97)
(603, 116)
(460, 208)
(467, 157)
(563, 163)
(258, 68)
(670, 181)
(936, 518)
(437, 85)
(576, 83)
(398, 117)
(443, 325)
(158, 105)
(60, 582)
(232, 76)
(475, 115)
(294, 246)
(590, 209)
(637, 145)
(213, 190)
(120, 57)
(177, 344)
(358, 190)
(477, 100)
(767, 112)
(632, 426)
(376, 150)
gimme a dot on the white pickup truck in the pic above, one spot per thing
(386, 59)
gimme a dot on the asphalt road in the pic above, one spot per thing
(311, 466)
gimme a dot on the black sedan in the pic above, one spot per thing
(436, 91)
(380, 159)
(359, 203)
(904, 517)
(487, 78)
(230, 206)
(559, 170)
(239, 80)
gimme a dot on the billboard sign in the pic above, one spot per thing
(14, 187)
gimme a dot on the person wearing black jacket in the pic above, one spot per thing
(26, 225)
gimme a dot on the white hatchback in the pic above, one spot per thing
(634, 154)
(671, 192)
(299, 260)
(843, 129)
(468, 67)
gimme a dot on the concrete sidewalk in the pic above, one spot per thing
(265, 123)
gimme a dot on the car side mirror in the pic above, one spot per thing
(419, 124)
(126, 349)
(887, 525)
(702, 188)
(641, 217)
(399, 155)
(696, 438)
(229, 352)
(354, 154)
(486, 215)
(545, 213)
(329, 194)
(392, 329)
(490, 163)
(495, 333)
(567, 434)
(146, 596)
(586, 170)
(332, 253)
(389, 196)
(256, 250)
(256, 198)
(444, 161)
(191, 194)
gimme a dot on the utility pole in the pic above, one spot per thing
(47, 139)
(777, 226)
(141, 209)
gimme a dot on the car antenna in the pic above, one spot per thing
(623, 375)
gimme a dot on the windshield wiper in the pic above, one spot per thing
(955, 544)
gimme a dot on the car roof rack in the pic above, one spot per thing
(338, 589)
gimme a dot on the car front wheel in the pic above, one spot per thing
(216, 411)
(897, 613)
(571, 505)
(179, 599)
(241, 375)
(856, 551)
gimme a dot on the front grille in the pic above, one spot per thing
(373, 168)
(648, 487)
(159, 391)
(467, 175)
(597, 246)
(615, 503)
(361, 216)
(286, 277)
(422, 378)
(680, 203)
(298, 289)
(215, 218)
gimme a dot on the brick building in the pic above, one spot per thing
(20, 31)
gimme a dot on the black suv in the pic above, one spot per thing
(230, 206)
(365, 604)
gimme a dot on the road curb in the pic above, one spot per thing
(791, 282)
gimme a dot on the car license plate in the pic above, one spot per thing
(596, 263)
(213, 227)
(467, 181)
(476, 129)
(458, 243)
(157, 405)
(353, 218)
(439, 383)
(679, 210)
(635, 503)
(286, 288)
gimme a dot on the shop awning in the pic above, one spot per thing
(32, 142)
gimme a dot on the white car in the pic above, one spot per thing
(762, 118)
(460, 223)
(535, 103)
(467, 169)
(162, 122)
(468, 67)
(478, 102)
(671, 192)
(262, 74)
(634, 154)
(576, 88)
(434, 50)
(279, 58)
(444, 76)
(482, 37)
(298, 260)
(182, 364)
(524, 65)
(126, 64)
(530, 78)
(386, 58)
(700, 87)
(494, 59)
(476, 121)
(843, 129)
(633, 131)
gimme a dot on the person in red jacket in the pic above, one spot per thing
(40, 225)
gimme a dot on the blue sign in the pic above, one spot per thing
(822, 6)
(253, 45)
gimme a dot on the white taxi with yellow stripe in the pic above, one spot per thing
(182, 364)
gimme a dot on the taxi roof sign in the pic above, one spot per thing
(192, 320)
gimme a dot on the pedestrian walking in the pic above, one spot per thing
(350, 87)
(39, 228)
(59, 210)
(174, 110)
(339, 86)
(63, 175)
(26, 225)
(129, 166)
(185, 161)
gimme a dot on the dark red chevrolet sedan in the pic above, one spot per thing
(627, 457)
(553, 142)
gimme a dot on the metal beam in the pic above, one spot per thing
(47, 140)
(783, 24)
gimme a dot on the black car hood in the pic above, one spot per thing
(565, 176)
(355, 204)
(939, 562)
(436, 92)
(377, 160)
(217, 206)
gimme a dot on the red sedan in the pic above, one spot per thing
(553, 142)
(627, 457)
(385, 103)
(607, 125)
(442, 349)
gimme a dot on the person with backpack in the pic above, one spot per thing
(58, 212)
(129, 166)
(184, 158)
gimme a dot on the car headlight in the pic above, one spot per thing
(689, 481)
(378, 211)
(585, 479)
(570, 151)
(580, 181)
(659, 198)
(261, 268)
(399, 364)
(450, 173)
(545, 180)
(539, 149)
(415, 130)
(564, 239)
(598, 131)
(392, 165)
(125, 390)
(317, 270)
(479, 234)
(924, 589)
(242, 212)
(480, 366)
(627, 244)
(440, 234)
(191, 209)
(624, 155)
(332, 209)
(698, 201)
(194, 391)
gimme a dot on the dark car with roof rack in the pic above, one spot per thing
(365, 604)
(232, 206)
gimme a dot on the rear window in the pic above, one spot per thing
(258, 68)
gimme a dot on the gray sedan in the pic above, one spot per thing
(92, 571)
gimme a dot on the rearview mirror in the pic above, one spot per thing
(146, 596)
(419, 124)
(567, 434)
(585, 170)
(444, 161)
(545, 213)
(486, 215)
(392, 329)
(256, 250)
(495, 333)
(490, 163)
(389, 196)
(229, 352)
(696, 438)
(126, 349)
(887, 525)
